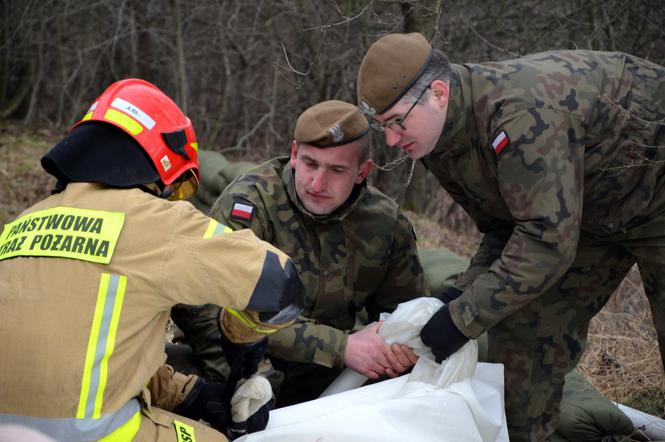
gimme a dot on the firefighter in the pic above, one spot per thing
(88, 277)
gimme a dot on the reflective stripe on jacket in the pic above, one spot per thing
(81, 339)
(109, 427)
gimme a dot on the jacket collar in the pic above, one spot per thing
(459, 130)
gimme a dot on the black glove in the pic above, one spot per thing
(449, 294)
(441, 335)
(256, 422)
(243, 359)
(206, 401)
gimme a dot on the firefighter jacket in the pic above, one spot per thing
(87, 280)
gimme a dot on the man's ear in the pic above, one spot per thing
(364, 170)
(441, 91)
(294, 153)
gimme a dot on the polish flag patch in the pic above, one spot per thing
(242, 211)
(500, 142)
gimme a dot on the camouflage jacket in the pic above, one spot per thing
(539, 149)
(361, 255)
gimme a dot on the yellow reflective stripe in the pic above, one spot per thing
(124, 120)
(185, 432)
(101, 344)
(87, 116)
(63, 232)
(79, 430)
(214, 228)
(92, 343)
(195, 146)
(212, 225)
(126, 432)
(110, 344)
(249, 323)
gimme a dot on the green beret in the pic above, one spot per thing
(330, 123)
(391, 66)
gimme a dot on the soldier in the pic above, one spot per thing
(89, 274)
(351, 244)
(559, 158)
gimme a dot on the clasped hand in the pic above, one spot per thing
(368, 354)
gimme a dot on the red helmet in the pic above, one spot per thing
(152, 119)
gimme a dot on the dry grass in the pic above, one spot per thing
(622, 358)
(22, 180)
(432, 234)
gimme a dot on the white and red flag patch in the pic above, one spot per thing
(500, 141)
(242, 211)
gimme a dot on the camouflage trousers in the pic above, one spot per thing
(542, 342)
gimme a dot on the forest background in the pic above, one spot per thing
(244, 70)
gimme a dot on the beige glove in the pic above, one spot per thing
(251, 395)
(249, 407)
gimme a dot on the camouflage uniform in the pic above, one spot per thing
(567, 204)
(363, 255)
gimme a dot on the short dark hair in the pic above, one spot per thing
(364, 147)
(439, 69)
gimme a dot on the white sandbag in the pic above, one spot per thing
(401, 327)
(404, 324)
(650, 426)
(453, 401)
(471, 410)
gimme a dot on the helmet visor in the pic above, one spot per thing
(184, 187)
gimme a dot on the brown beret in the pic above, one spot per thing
(330, 123)
(391, 66)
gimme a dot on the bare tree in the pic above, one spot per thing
(244, 70)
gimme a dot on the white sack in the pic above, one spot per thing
(456, 400)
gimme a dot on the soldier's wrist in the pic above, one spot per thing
(339, 358)
(459, 313)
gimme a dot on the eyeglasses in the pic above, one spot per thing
(396, 121)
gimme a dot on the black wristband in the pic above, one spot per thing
(449, 294)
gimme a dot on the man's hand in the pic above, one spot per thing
(368, 354)
(206, 401)
(441, 335)
(401, 358)
(250, 407)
